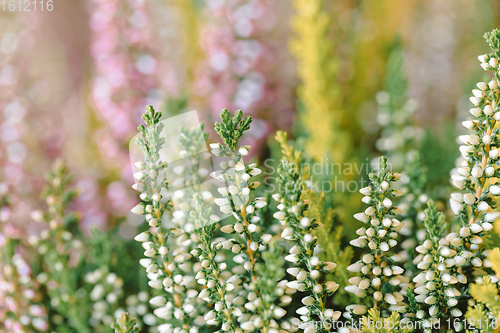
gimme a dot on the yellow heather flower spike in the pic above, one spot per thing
(319, 93)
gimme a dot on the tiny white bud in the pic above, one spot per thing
(478, 93)
(142, 237)
(158, 301)
(243, 151)
(488, 110)
(482, 85)
(477, 172)
(493, 62)
(475, 111)
(138, 210)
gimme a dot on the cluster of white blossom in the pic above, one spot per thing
(20, 310)
(306, 268)
(105, 294)
(451, 262)
(381, 274)
(244, 308)
(170, 271)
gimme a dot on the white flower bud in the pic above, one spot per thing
(476, 262)
(487, 226)
(493, 62)
(163, 250)
(255, 172)
(478, 93)
(356, 267)
(308, 301)
(138, 210)
(474, 100)
(287, 233)
(365, 190)
(469, 198)
(364, 284)
(243, 151)
(210, 316)
(430, 300)
(476, 111)
(279, 215)
(314, 261)
(360, 309)
(475, 228)
(389, 298)
(158, 301)
(488, 110)
(477, 172)
(305, 222)
(142, 237)
(314, 274)
(482, 85)
(155, 284)
(238, 227)
(483, 206)
(368, 258)
(361, 217)
(370, 211)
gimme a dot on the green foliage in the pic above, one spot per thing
(273, 269)
(375, 323)
(434, 223)
(493, 40)
(126, 324)
(484, 315)
(439, 151)
(151, 140)
(231, 129)
(61, 266)
(396, 83)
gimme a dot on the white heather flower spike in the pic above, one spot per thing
(380, 238)
(455, 260)
(308, 272)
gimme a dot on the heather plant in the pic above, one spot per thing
(220, 256)
(381, 274)
(299, 229)
(126, 324)
(77, 278)
(61, 254)
(21, 308)
(459, 257)
(239, 266)
(170, 272)
(228, 256)
(401, 142)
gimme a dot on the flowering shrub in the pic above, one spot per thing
(225, 248)
(238, 264)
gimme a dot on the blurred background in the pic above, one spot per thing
(74, 82)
